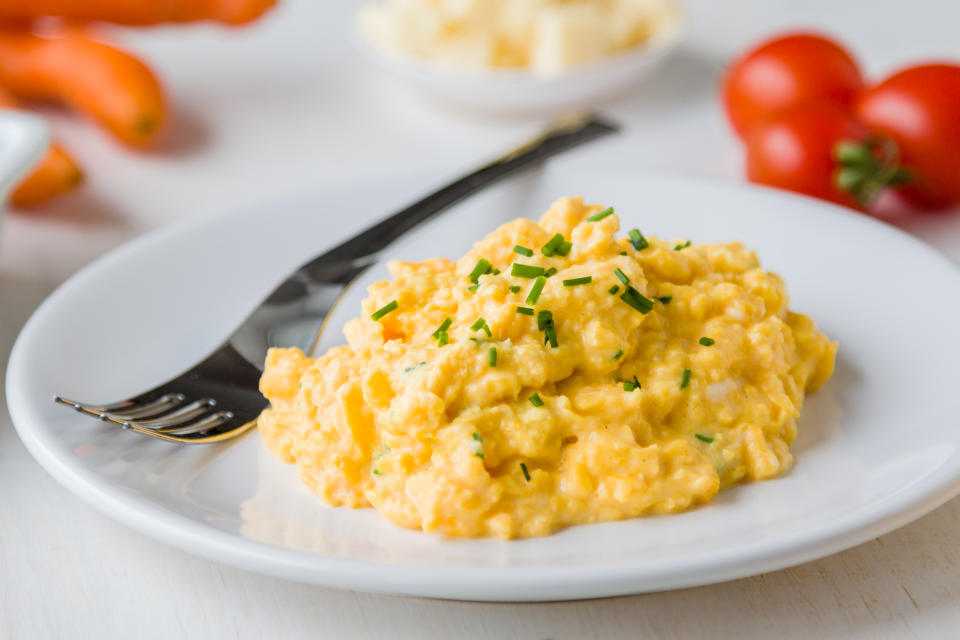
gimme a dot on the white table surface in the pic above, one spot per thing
(287, 106)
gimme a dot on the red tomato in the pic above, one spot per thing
(795, 151)
(919, 108)
(785, 73)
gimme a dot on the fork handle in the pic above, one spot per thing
(562, 137)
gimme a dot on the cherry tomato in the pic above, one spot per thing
(795, 151)
(785, 73)
(919, 108)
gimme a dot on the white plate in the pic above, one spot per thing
(518, 92)
(878, 446)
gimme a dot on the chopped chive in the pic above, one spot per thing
(637, 240)
(522, 250)
(476, 340)
(623, 253)
(707, 342)
(495, 271)
(573, 282)
(552, 244)
(377, 472)
(535, 400)
(525, 311)
(682, 246)
(613, 290)
(443, 327)
(478, 445)
(621, 276)
(384, 310)
(665, 299)
(600, 216)
(443, 338)
(526, 270)
(409, 369)
(536, 290)
(637, 300)
(483, 267)
(549, 272)
(545, 324)
(617, 355)
(685, 380)
(514, 288)
(564, 249)
(631, 385)
(472, 287)
(526, 474)
(492, 357)
(543, 318)
(481, 324)
(700, 436)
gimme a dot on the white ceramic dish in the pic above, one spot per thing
(23, 139)
(879, 446)
(515, 92)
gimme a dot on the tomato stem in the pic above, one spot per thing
(866, 167)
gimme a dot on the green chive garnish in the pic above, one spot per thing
(526, 270)
(682, 246)
(478, 445)
(551, 247)
(685, 380)
(535, 400)
(525, 311)
(637, 240)
(631, 385)
(572, 282)
(564, 249)
(536, 290)
(623, 253)
(443, 338)
(700, 436)
(665, 299)
(600, 216)
(442, 328)
(543, 318)
(409, 369)
(617, 355)
(707, 342)
(495, 271)
(526, 474)
(514, 288)
(384, 310)
(377, 472)
(472, 288)
(483, 267)
(549, 272)
(545, 324)
(637, 300)
(492, 357)
(613, 290)
(481, 324)
(621, 276)
(522, 250)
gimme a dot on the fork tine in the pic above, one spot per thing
(180, 416)
(161, 405)
(206, 423)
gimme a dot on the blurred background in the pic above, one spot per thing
(288, 103)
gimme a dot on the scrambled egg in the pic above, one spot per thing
(545, 36)
(642, 378)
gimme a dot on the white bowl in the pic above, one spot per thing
(519, 92)
(23, 139)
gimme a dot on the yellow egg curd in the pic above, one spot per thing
(556, 375)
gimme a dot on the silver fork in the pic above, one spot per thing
(218, 398)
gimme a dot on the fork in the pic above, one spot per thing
(218, 398)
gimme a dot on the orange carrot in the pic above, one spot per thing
(137, 12)
(55, 174)
(106, 84)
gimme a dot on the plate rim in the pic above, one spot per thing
(486, 583)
